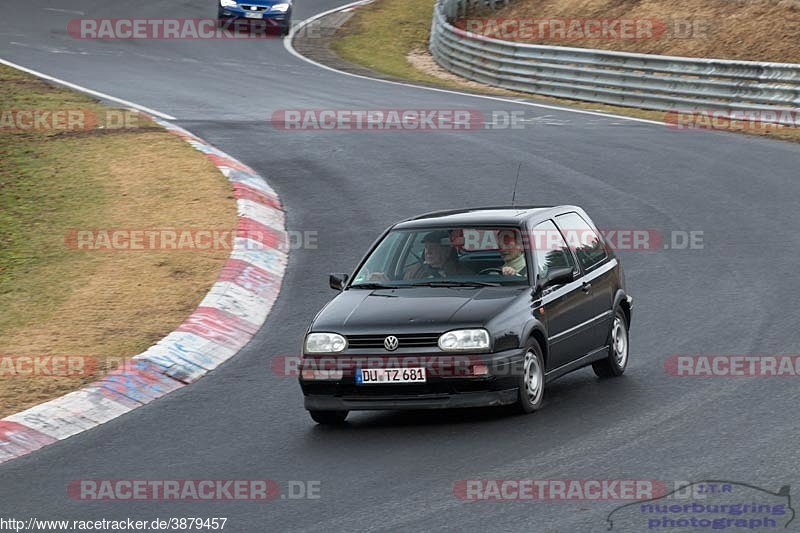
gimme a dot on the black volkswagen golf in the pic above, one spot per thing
(467, 308)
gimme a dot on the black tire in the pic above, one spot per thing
(329, 418)
(615, 363)
(528, 401)
(285, 31)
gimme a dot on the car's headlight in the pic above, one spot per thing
(280, 8)
(464, 340)
(325, 343)
(227, 3)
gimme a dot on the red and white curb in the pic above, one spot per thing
(226, 320)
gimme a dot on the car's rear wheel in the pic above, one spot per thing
(618, 347)
(329, 418)
(531, 381)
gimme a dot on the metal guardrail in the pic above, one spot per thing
(769, 91)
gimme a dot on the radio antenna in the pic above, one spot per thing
(514, 196)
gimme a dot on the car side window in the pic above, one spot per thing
(582, 238)
(550, 248)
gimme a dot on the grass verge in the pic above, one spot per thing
(391, 37)
(101, 305)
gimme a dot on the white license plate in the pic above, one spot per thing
(370, 376)
(253, 15)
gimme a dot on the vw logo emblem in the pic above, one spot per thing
(391, 343)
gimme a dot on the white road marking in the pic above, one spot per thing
(82, 89)
(287, 44)
(71, 11)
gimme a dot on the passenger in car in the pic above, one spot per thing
(513, 253)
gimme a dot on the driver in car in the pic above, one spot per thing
(439, 260)
(512, 251)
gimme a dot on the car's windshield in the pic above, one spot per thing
(469, 256)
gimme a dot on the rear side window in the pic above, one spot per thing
(550, 248)
(582, 238)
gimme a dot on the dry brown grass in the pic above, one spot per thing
(105, 305)
(756, 30)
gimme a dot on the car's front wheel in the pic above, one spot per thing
(329, 418)
(531, 384)
(618, 346)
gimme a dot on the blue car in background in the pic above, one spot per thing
(272, 12)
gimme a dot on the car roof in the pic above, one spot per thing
(500, 215)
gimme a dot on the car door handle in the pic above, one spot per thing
(586, 287)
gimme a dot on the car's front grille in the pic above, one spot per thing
(248, 7)
(406, 340)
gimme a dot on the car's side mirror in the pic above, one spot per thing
(557, 276)
(338, 281)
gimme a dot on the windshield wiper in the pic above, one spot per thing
(373, 286)
(450, 283)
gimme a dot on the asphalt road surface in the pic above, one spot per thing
(738, 294)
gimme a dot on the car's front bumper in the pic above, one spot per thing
(315, 402)
(441, 391)
(282, 20)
